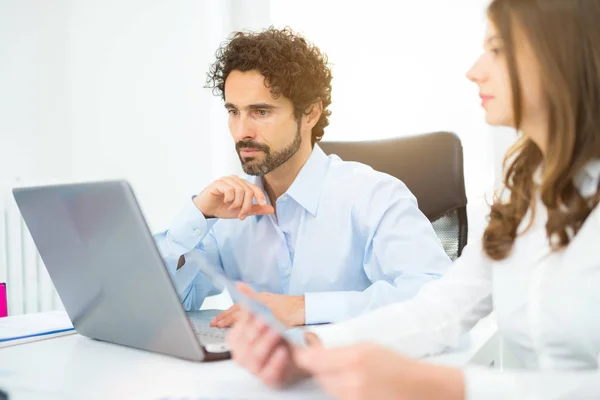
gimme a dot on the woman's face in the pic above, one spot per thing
(490, 72)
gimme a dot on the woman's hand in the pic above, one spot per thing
(373, 372)
(262, 351)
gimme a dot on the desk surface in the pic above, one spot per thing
(76, 367)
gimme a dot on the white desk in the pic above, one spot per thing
(75, 367)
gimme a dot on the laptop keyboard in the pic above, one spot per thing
(208, 333)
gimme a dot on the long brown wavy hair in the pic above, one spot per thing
(565, 38)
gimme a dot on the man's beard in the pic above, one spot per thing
(272, 160)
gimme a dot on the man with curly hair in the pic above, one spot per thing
(320, 239)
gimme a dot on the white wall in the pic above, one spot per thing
(35, 131)
(115, 89)
(99, 90)
(94, 90)
(140, 111)
(399, 69)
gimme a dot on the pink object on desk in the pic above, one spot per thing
(3, 305)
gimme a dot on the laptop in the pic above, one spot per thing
(108, 272)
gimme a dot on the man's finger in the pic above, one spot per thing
(228, 320)
(256, 191)
(239, 193)
(224, 314)
(257, 209)
(260, 207)
(258, 194)
(226, 191)
(246, 204)
(227, 312)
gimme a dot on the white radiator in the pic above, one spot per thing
(29, 288)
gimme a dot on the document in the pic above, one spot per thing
(31, 327)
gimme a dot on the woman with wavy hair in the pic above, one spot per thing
(537, 265)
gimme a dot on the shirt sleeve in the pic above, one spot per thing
(402, 253)
(190, 234)
(490, 384)
(433, 320)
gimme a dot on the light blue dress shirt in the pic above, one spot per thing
(348, 238)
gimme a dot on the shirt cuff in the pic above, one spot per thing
(325, 307)
(190, 226)
(184, 277)
(334, 335)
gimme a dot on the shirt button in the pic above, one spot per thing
(197, 232)
(284, 198)
(287, 272)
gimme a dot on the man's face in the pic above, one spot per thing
(264, 129)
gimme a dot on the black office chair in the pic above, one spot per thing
(431, 165)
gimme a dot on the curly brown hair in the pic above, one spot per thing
(569, 63)
(292, 67)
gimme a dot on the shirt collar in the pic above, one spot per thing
(587, 180)
(592, 169)
(307, 188)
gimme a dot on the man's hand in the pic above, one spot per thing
(287, 309)
(232, 197)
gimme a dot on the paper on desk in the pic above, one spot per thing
(30, 327)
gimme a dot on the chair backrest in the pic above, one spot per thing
(431, 165)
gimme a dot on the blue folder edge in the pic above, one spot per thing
(36, 335)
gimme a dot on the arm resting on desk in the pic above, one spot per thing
(433, 320)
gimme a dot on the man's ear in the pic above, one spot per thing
(313, 113)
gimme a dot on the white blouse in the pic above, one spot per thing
(545, 303)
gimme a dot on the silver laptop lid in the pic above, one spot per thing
(105, 265)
